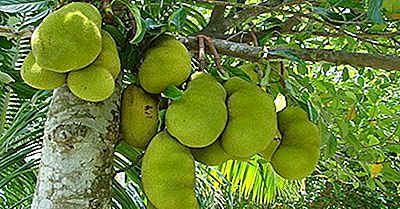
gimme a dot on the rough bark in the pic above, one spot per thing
(252, 53)
(76, 168)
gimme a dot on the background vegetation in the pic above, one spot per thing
(357, 108)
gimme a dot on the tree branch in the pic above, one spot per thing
(244, 51)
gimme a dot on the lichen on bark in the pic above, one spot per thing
(76, 163)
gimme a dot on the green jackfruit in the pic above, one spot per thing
(38, 77)
(108, 57)
(93, 83)
(67, 40)
(212, 155)
(252, 119)
(167, 63)
(168, 174)
(298, 153)
(199, 117)
(87, 9)
(139, 117)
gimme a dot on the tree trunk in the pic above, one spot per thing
(76, 168)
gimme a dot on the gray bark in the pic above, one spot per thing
(76, 168)
(253, 53)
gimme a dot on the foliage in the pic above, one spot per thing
(357, 109)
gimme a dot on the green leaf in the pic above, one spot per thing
(374, 12)
(140, 23)
(288, 54)
(173, 93)
(21, 6)
(5, 78)
(389, 174)
(178, 18)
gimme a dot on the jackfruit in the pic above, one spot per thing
(199, 117)
(252, 119)
(298, 153)
(87, 9)
(166, 63)
(212, 155)
(139, 117)
(93, 83)
(168, 174)
(108, 57)
(67, 39)
(38, 77)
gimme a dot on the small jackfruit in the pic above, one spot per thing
(166, 63)
(139, 117)
(298, 153)
(108, 57)
(252, 120)
(67, 39)
(38, 77)
(212, 155)
(199, 117)
(93, 83)
(168, 174)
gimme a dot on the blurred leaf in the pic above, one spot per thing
(14, 6)
(173, 93)
(374, 12)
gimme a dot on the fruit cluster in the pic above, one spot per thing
(70, 45)
(210, 123)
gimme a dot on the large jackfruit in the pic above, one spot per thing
(252, 119)
(199, 117)
(93, 83)
(108, 57)
(139, 116)
(212, 155)
(168, 174)
(38, 77)
(68, 39)
(166, 63)
(298, 153)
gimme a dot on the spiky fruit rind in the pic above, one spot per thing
(108, 57)
(290, 115)
(66, 40)
(139, 117)
(168, 174)
(38, 77)
(93, 83)
(87, 9)
(292, 162)
(165, 64)
(200, 116)
(252, 120)
(212, 155)
(298, 153)
(235, 84)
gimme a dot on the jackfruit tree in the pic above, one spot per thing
(199, 104)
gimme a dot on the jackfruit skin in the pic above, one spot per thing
(66, 40)
(168, 174)
(93, 83)
(87, 9)
(290, 115)
(108, 57)
(139, 117)
(298, 154)
(199, 117)
(38, 77)
(212, 155)
(166, 63)
(252, 119)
